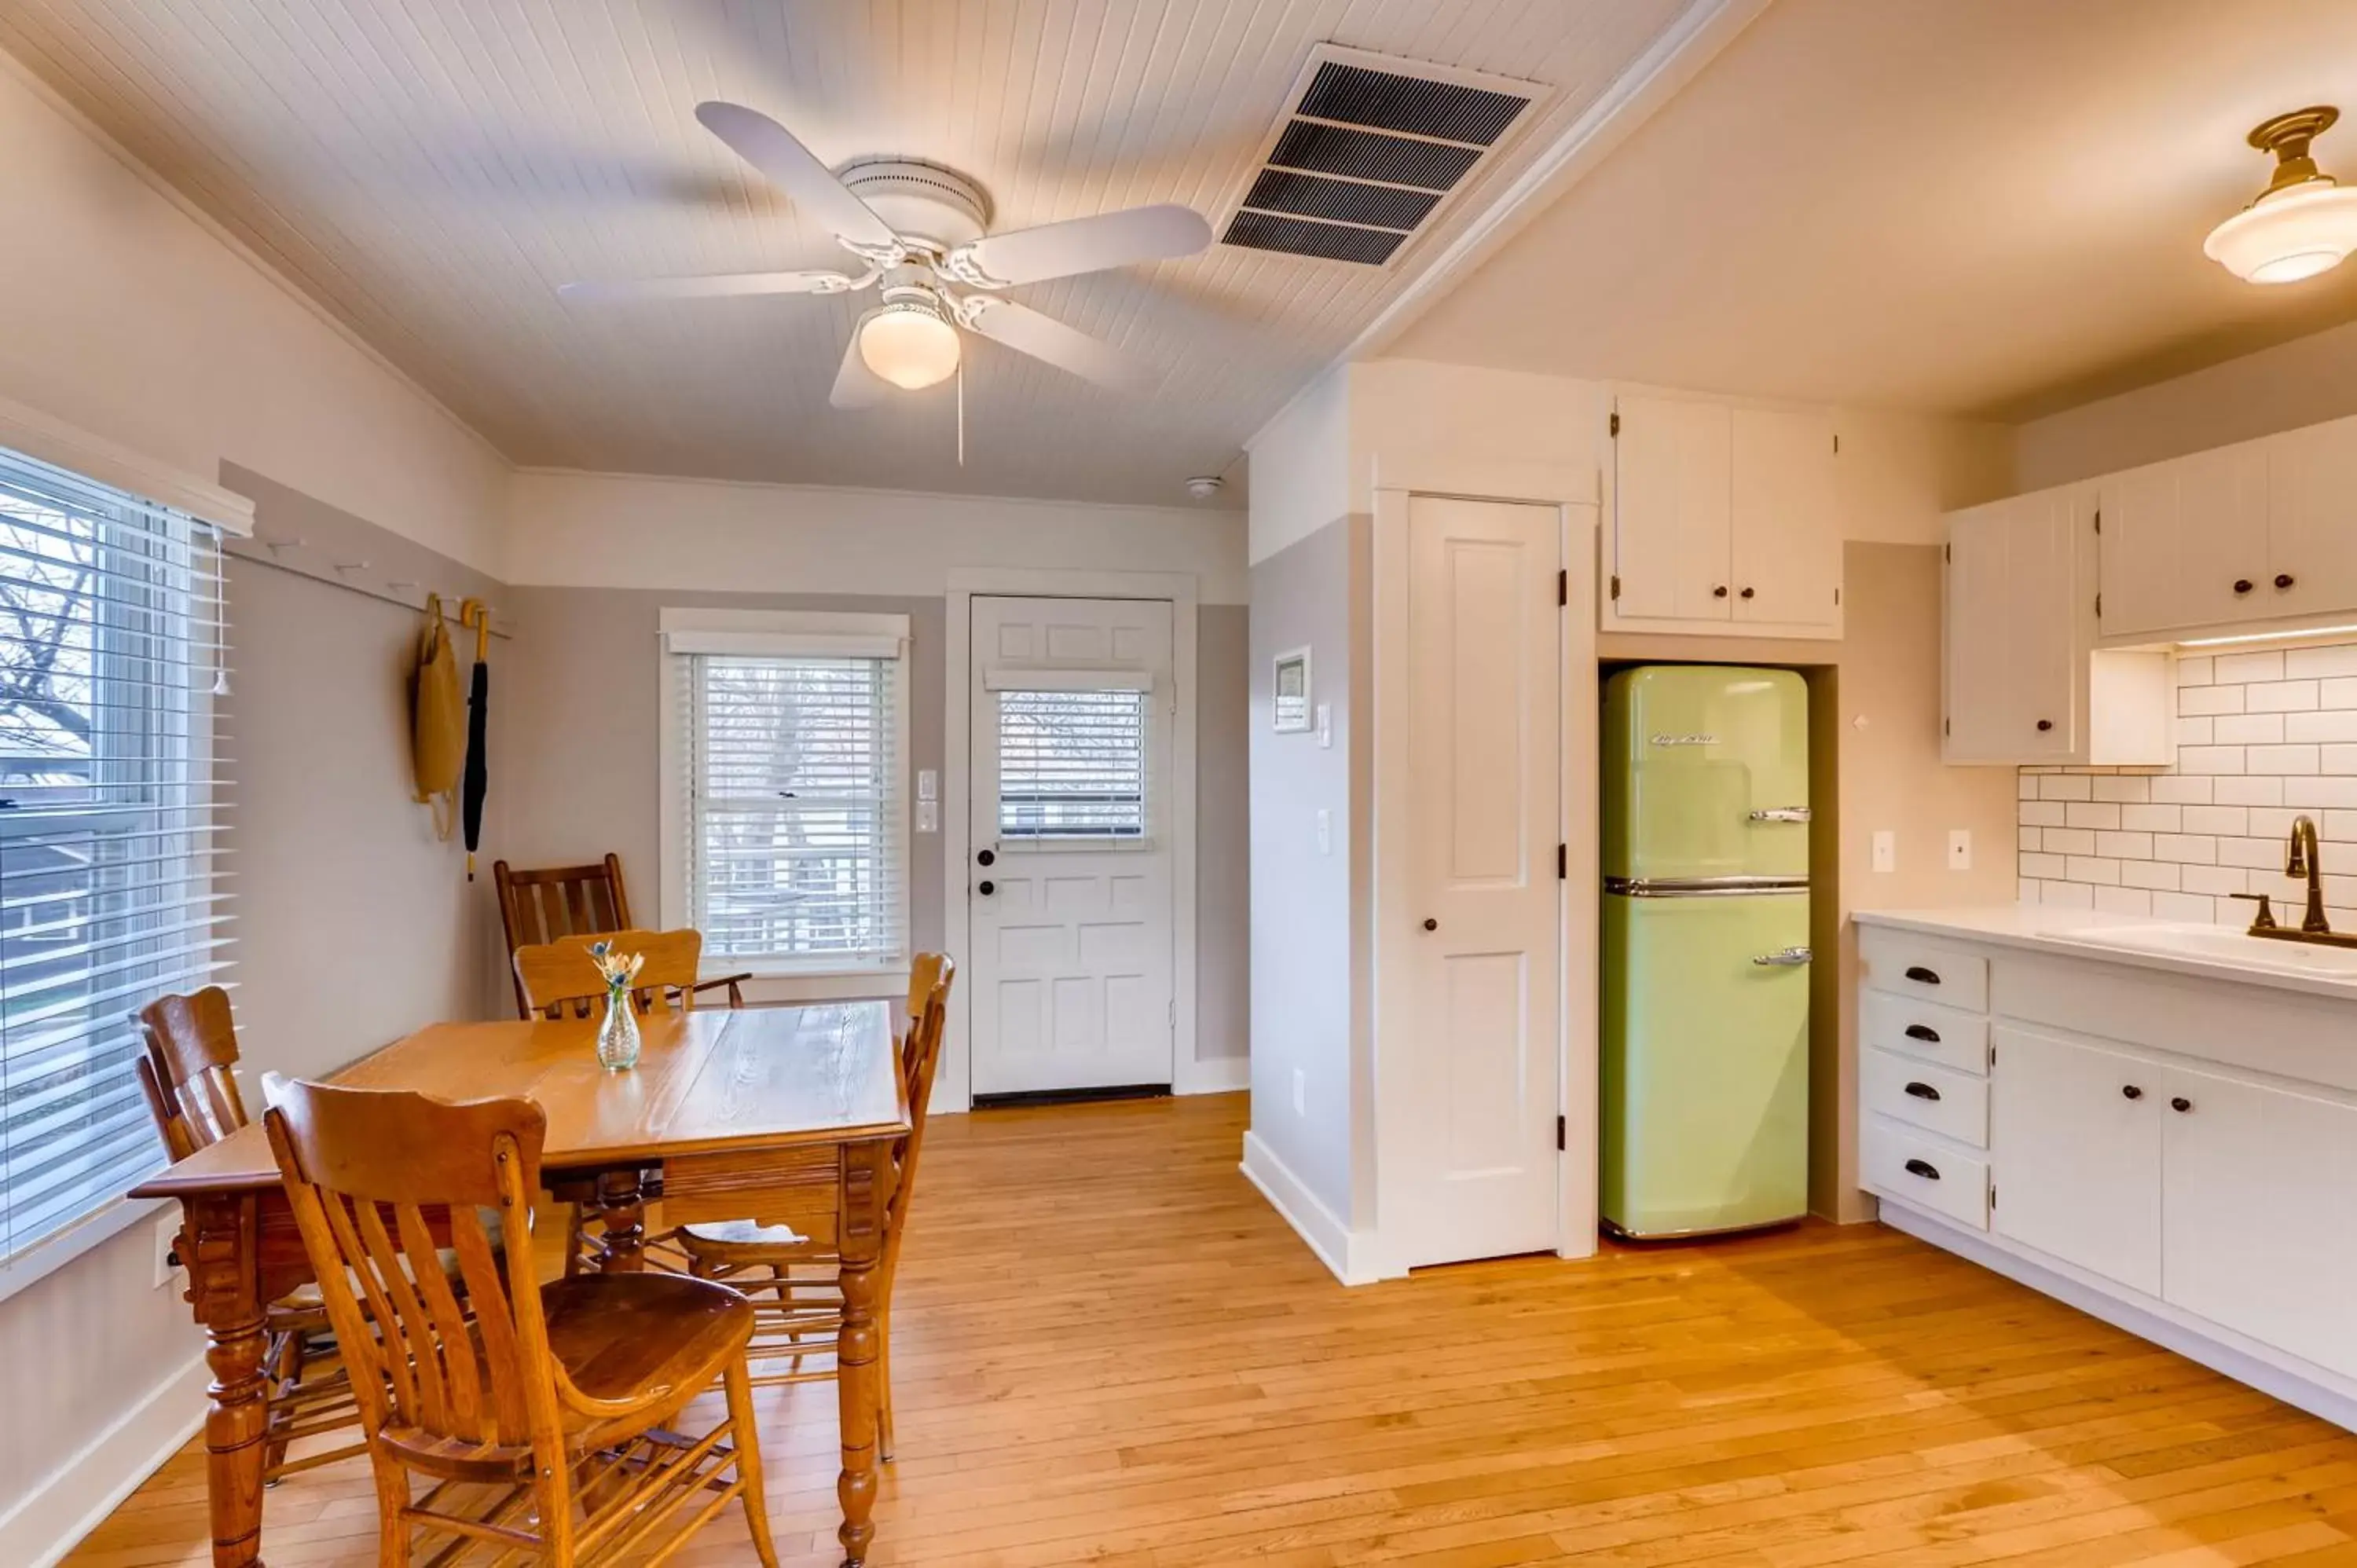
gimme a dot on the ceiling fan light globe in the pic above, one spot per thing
(910, 346)
(2287, 235)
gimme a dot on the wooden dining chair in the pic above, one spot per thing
(802, 1312)
(561, 976)
(542, 906)
(551, 1423)
(188, 1075)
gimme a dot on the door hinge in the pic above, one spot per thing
(2099, 606)
(1615, 425)
(1992, 1055)
(1836, 596)
(1948, 554)
(1174, 1013)
(1563, 586)
(1836, 444)
(1946, 728)
(1992, 1195)
(2099, 520)
(1563, 862)
(1616, 585)
(1561, 1132)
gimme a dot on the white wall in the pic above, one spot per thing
(626, 531)
(1301, 466)
(123, 315)
(2305, 382)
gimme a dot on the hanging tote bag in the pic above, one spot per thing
(438, 720)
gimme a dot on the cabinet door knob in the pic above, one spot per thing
(1923, 1168)
(1719, 591)
(1432, 925)
(1747, 593)
(2180, 1105)
(2283, 579)
(2044, 725)
(2242, 584)
(2131, 1091)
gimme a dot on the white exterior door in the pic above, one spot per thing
(1480, 1053)
(1069, 875)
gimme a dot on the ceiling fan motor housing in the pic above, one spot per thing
(920, 201)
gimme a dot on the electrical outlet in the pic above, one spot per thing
(1886, 850)
(1300, 1093)
(168, 1271)
(1960, 849)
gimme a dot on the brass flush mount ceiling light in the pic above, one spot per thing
(2303, 223)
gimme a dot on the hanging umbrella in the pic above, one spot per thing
(435, 757)
(478, 780)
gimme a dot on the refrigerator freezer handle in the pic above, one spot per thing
(1790, 958)
(1781, 814)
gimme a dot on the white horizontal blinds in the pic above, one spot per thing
(1071, 764)
(110, 649)
(793, 821)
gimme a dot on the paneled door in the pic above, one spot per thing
(1480, 1056)
(1069, 875)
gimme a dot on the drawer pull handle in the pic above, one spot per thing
(1923, 1168)
(1923, 1091)
(1923, 1032)
(1921, 976)
(1789, 958)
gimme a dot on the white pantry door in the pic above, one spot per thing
(1481, 1051)
(1069, 880)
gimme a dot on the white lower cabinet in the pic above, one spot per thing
(2181, 1149)
(2259, 1212)
(2076, 1142)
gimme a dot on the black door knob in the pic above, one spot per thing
(2045, 724)
(2181, 1104)
(1747, 594)
(985, 889)
(1432, 925)
(987, 858)
(2131, 1091)
(2242, 584)
(1719, 591)
(2283, 579)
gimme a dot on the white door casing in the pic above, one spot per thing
(1477, 1062)
(1072, 945)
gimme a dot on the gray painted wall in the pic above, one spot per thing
(1306, 1010)
(583, 693)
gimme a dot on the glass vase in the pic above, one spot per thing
(617, 1032)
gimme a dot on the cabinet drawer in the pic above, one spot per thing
(1949, 1035)
(1930, 971)
(1932, 1098)
(1906, 1165)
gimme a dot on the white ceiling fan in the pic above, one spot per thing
(921, 231)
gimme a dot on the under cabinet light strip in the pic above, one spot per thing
(2304, 634)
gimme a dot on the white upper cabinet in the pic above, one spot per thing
(1724, 518)
(2238, 537)
(2022, 682)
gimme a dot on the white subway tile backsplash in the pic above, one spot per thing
(2237, 669)
(2261, 737)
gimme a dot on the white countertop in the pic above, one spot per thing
(2172, 947)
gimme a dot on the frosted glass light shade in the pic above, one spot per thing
(2289, 234)
(910, 346)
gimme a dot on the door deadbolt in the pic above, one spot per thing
(987, 858)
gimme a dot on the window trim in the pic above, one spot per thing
(781, 634)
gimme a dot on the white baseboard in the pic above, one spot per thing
(71, 1502)
(1221, 1075)
(1348, 1253)
(2157, 1322)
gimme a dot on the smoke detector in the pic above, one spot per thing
(1203, 486)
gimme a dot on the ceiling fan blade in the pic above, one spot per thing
(857, 386)
(1081, 245)
(1027, 331)
(718, 285)
(794, 169)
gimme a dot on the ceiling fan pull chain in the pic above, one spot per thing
(961, 411)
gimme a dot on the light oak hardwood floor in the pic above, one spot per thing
(1108, 1350)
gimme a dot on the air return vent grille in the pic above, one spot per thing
(1369, 149)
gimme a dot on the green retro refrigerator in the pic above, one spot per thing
(1705, 950)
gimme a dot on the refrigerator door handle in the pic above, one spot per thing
(1789, 958)
(1780, 814)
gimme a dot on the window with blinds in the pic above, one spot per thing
(795, 817)
(1071, 765)
(110, 655)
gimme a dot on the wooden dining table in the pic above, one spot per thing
(784, 1115)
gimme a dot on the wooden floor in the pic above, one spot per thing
(1109, 1349)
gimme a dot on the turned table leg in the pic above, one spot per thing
(622, 1222)
(858, 1382)
(218, 1245)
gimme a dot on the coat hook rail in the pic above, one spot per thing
(350, 576)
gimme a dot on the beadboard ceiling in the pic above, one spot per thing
(430, 170)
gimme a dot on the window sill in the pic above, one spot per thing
(50, 1253)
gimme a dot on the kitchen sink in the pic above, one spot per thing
(2221, 944)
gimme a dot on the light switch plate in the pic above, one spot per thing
(1300, 1093)
(929, 784)
(1325, 831)
(1960, 849)
(929, 816)
(1886, 850)
(1326, 725)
